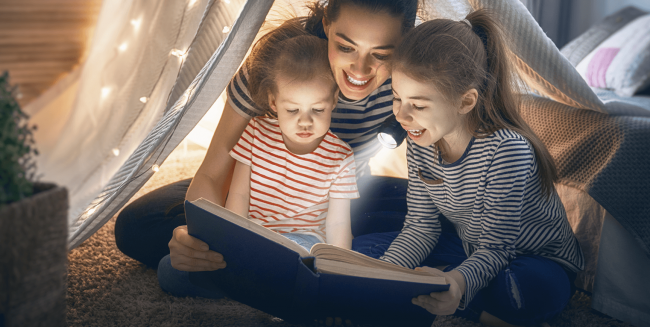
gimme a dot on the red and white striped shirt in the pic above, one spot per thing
(288, 192)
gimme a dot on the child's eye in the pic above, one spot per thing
(292, 111)
(318, 111)
(343, 48)
(396, 99)
(418, 108)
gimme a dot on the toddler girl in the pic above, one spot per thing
(510, 256)
(293, 175)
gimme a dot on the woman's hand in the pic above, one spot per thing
(443, 303)
(188, 253)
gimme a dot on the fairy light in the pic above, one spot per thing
(225, 30)
(192, 2)
(155, 168)
(136, 23)
(116, 152)
(226, 1)
(144, 99)
(105, 91)
(122, 47)
(91, 211)
(178, 53)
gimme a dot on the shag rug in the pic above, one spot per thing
(107, 288)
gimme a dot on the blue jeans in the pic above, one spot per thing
(304, 240)
(530, 290)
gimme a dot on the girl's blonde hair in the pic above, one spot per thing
(288, 51)
(456, 56)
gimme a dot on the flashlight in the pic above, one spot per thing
(391, 134)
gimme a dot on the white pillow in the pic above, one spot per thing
(622, 62)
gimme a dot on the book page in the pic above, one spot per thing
(337, 254)
(342, 268)
(246, 223)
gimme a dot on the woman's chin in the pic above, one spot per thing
(351, 96)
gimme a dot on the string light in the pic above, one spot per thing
(136, 23)
(192, 2)
(122, 47)
(155, 168)
(226, 1)
(225, 30)
(144, 99)
(105, 91)
(91, 211)
(116, 152)
(178, 53)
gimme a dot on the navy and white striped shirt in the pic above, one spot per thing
(356, 123)
(493, 197)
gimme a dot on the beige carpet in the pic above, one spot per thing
(106, 288)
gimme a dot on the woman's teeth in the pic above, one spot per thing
(416, 132)
(356, 82)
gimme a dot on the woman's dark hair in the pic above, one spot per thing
(407, 9)
(288, 51)
(456, 56)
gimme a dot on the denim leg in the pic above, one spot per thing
(304, 240)
(143, 228)
(531, 290)
(177, 282)
(381, 207)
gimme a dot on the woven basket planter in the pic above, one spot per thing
(33, 259)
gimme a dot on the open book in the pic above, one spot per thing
(270, 272)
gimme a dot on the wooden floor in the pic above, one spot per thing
(43, 40)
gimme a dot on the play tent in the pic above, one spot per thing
(155, 68)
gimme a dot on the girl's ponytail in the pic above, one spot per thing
(500, 103)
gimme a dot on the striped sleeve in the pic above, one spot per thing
(239, 97)
(242, 151)
(510, 171)
(344, 185)
(421, 227)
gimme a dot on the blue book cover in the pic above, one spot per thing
(269, 272)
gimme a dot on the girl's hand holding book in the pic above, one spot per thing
(188, 253)
(443, 303)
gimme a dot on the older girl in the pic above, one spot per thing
(474, 160)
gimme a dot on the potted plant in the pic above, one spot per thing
(33, 227)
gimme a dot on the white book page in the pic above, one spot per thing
(342, 268)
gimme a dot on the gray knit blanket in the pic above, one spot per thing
(606, 156)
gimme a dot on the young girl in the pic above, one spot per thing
(474, 160)
(290, 169)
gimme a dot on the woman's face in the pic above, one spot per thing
(360, 45)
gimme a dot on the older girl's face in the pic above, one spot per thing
(360, 45)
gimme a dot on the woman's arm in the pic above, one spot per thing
(337, 225)
(211, 182)
(240, 190)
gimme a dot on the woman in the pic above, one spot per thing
(361, 37)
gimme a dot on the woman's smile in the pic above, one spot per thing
(359, 48)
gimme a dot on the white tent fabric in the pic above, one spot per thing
(155, 68)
